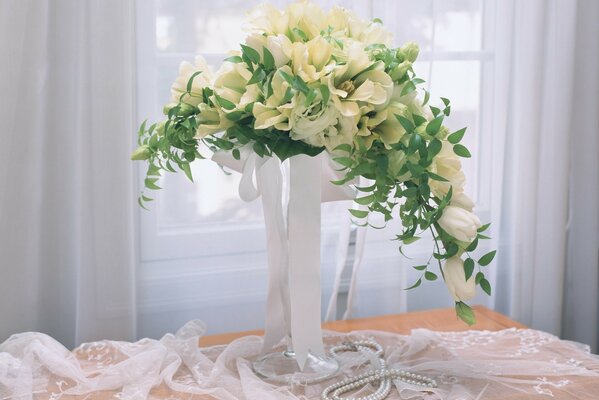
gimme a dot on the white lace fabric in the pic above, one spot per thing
(508, 364)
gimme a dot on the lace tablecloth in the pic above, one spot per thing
(508, 364)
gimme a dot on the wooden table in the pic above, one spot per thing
(443, 319)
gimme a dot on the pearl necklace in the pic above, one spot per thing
(381, 374)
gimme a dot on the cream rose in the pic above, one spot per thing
(311, 120)
(459, 223)
(455, 280)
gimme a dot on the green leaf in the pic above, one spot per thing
(468, 267)
(269, 60)
(472, 246)
(406, 123)
(433, 127)
(408, 88)
(358, 213)
(236, 154)
(224, 103)
(310, 97)
(445, 101)
(411, 240)
(235, 115)
(414, 144)
(487, 258)
(233, 59)
(185, 167)
(486, 286)
(427, 97)
(434, 148)
(344, 147)
(251, 54)
(465, 313)
(377, 20)
(286, 76)
(437, 177)
(481, 236)
(430, 276)
(418, 119)
(190, 81)
(257, 76)
(484, 227)
(415, 285)
(151, 183)
(364, 200)
(301, 34)
(325, 93)
(344, 161)
(461, 151)
(435, 110)
(420, 267)
(479, 277)
(455, 137)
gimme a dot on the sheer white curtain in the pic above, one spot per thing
(66, 197)
(549, 270)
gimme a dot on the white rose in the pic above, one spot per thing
(455, 279)
(200, 81)
(459, 223)
(311, 120)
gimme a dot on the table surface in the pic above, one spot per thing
(444, 319)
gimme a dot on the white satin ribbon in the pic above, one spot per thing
(293, 300)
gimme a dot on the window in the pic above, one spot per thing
(203, 249)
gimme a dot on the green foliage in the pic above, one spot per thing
(465, 313)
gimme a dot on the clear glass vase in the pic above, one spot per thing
(282, 367)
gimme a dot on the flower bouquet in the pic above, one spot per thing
(308, 84)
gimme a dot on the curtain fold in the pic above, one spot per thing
(66, 201)
(549, 213)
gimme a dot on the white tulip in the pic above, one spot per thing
(459, 223)
(455, 279)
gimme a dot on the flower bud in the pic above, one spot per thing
(459, 223)
(141, 153)
(410, 51)
(455, 280)
(181, 109)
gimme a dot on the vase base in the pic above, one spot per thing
(282, 367)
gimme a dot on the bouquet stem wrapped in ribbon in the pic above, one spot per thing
(307, 82)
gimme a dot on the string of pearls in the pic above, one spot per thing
(380, 374)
